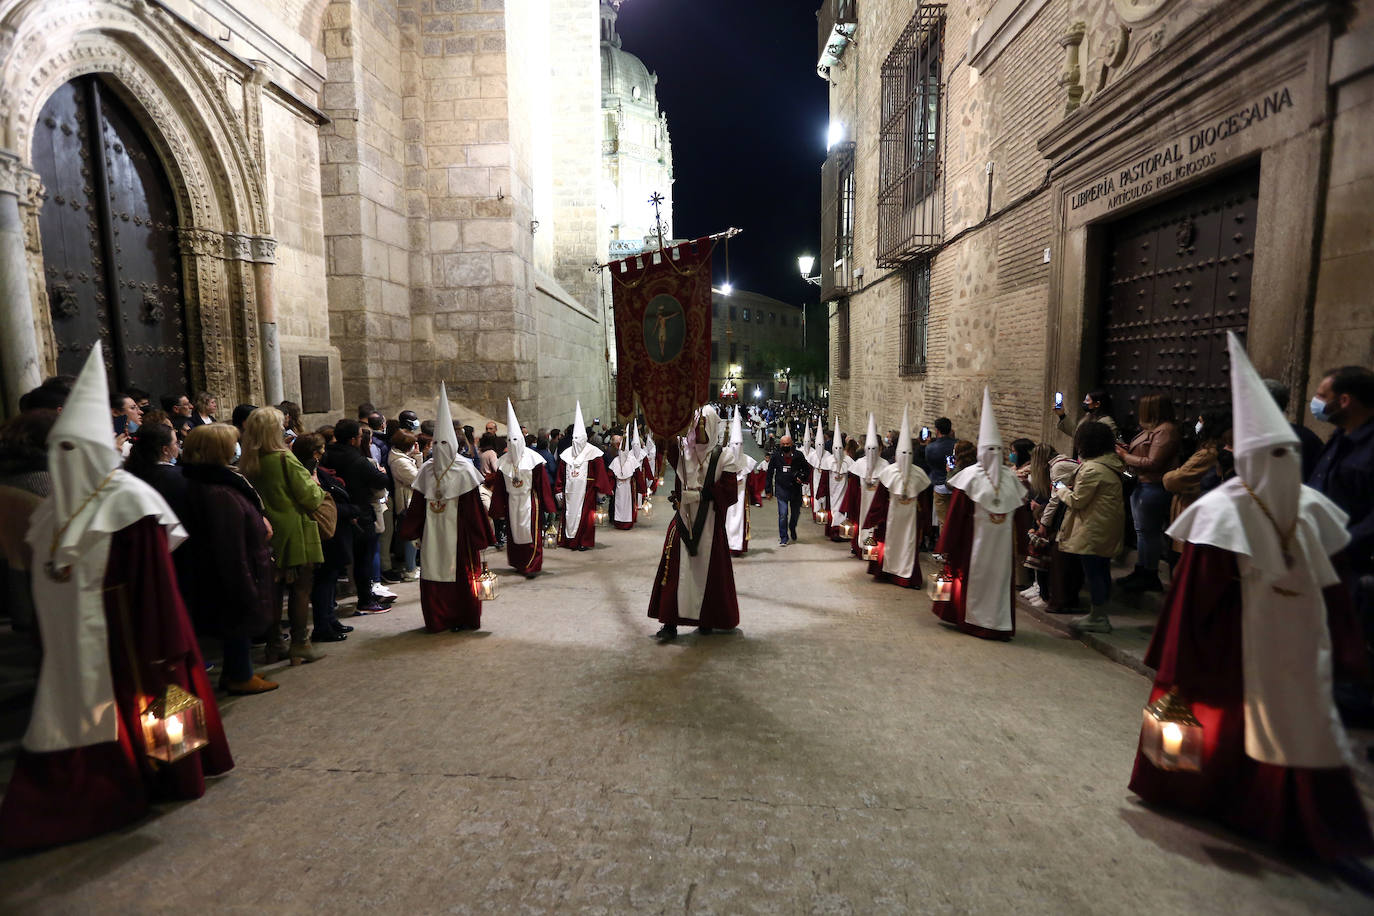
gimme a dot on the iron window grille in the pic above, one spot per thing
(842, 339)
(910, 218)
(915, 317)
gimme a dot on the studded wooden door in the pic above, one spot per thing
(1177, 279)
(109, 230)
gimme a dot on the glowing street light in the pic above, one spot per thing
(726, 289)
(804, 265)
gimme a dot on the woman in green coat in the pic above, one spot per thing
(1094, 517)
(289, 495)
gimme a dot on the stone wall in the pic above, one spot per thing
(989, 285)
(1343, 321)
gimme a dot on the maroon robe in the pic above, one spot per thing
(1197, 648)
(650, 481)
(877, 520)
(64, 796)
(720, 603)
(956, 543)
(525, 558)
(446, 605)
(598, 484)
(757, 480)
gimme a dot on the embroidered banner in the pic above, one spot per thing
(663, 333)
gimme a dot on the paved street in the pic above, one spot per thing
(842, 753)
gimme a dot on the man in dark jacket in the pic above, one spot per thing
(360, 476)
(787, 471)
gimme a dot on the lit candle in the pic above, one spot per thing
(1172, 738)
(175, 730)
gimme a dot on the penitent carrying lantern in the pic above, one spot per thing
(484, 584)
(174, 725)
(1170, 735)
(942, 586)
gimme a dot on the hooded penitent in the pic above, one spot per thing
(804, 446)
(575, 459)
(904, 482)
(447, 474)
(518, 465)
(1283, 535)
(74, 705)
(983, 481)
(872, 449)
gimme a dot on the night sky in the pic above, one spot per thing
(747, 116)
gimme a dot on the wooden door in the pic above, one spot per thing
(1177, 279)
(110, 247)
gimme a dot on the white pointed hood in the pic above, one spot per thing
(447, 474)
(736, 435)
(579, 431)
(805, 445)
(990, 450)
(835, 461)
(872, 448)
(518, 456)
(1260, 430)
(902, 477)
(581, 450)
(983, 481)
(81, 450)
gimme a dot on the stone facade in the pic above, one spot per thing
(1051, 96)
(375, 182)
(746, 329)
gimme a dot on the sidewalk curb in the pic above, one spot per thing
(1060, 624)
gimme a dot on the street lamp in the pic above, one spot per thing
(804, 265)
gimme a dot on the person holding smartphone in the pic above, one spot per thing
(940, 462)
(1097, 405)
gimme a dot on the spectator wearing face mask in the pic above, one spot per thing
(787, 470)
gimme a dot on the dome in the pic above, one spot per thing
(624, 76)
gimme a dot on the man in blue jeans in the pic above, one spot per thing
(787, 470)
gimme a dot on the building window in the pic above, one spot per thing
(837, 222)
(772, 317)
(746, 357)
(732, 351)
(842, 339)
(915, 317)
(715, 351)
(732, 313)
(909, 219)
(746, 314)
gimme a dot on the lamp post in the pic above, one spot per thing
(804, 265)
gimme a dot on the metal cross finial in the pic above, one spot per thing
(656, 201)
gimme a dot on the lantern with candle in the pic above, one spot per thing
(658, 483)
(822, 517)
(870, 546)
(484, 585)
(1171, 736)
(942, 587)
(806, 496)
(174, 725)
(551, 536)
(647, 510)
(849, 528)
(600, 516)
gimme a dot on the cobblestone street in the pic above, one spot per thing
(843, 752)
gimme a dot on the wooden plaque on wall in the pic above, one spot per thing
(315, 385)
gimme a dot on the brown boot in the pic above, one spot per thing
(303, 653)
(254, 684)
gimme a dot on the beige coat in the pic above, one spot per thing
(1185, 482)
(1095, 516)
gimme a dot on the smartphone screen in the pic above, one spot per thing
(121, 424)
(949, 462)
(925, 433)
(1058, 400)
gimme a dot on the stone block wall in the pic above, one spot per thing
(1343, 318)
(367, 239)
(989, 283)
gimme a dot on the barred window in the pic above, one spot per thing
(915, 317)
(909, 214)
(837, 222)
(842, 339)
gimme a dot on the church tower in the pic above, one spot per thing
(637, 155)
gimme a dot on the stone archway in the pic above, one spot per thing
(205, 138)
